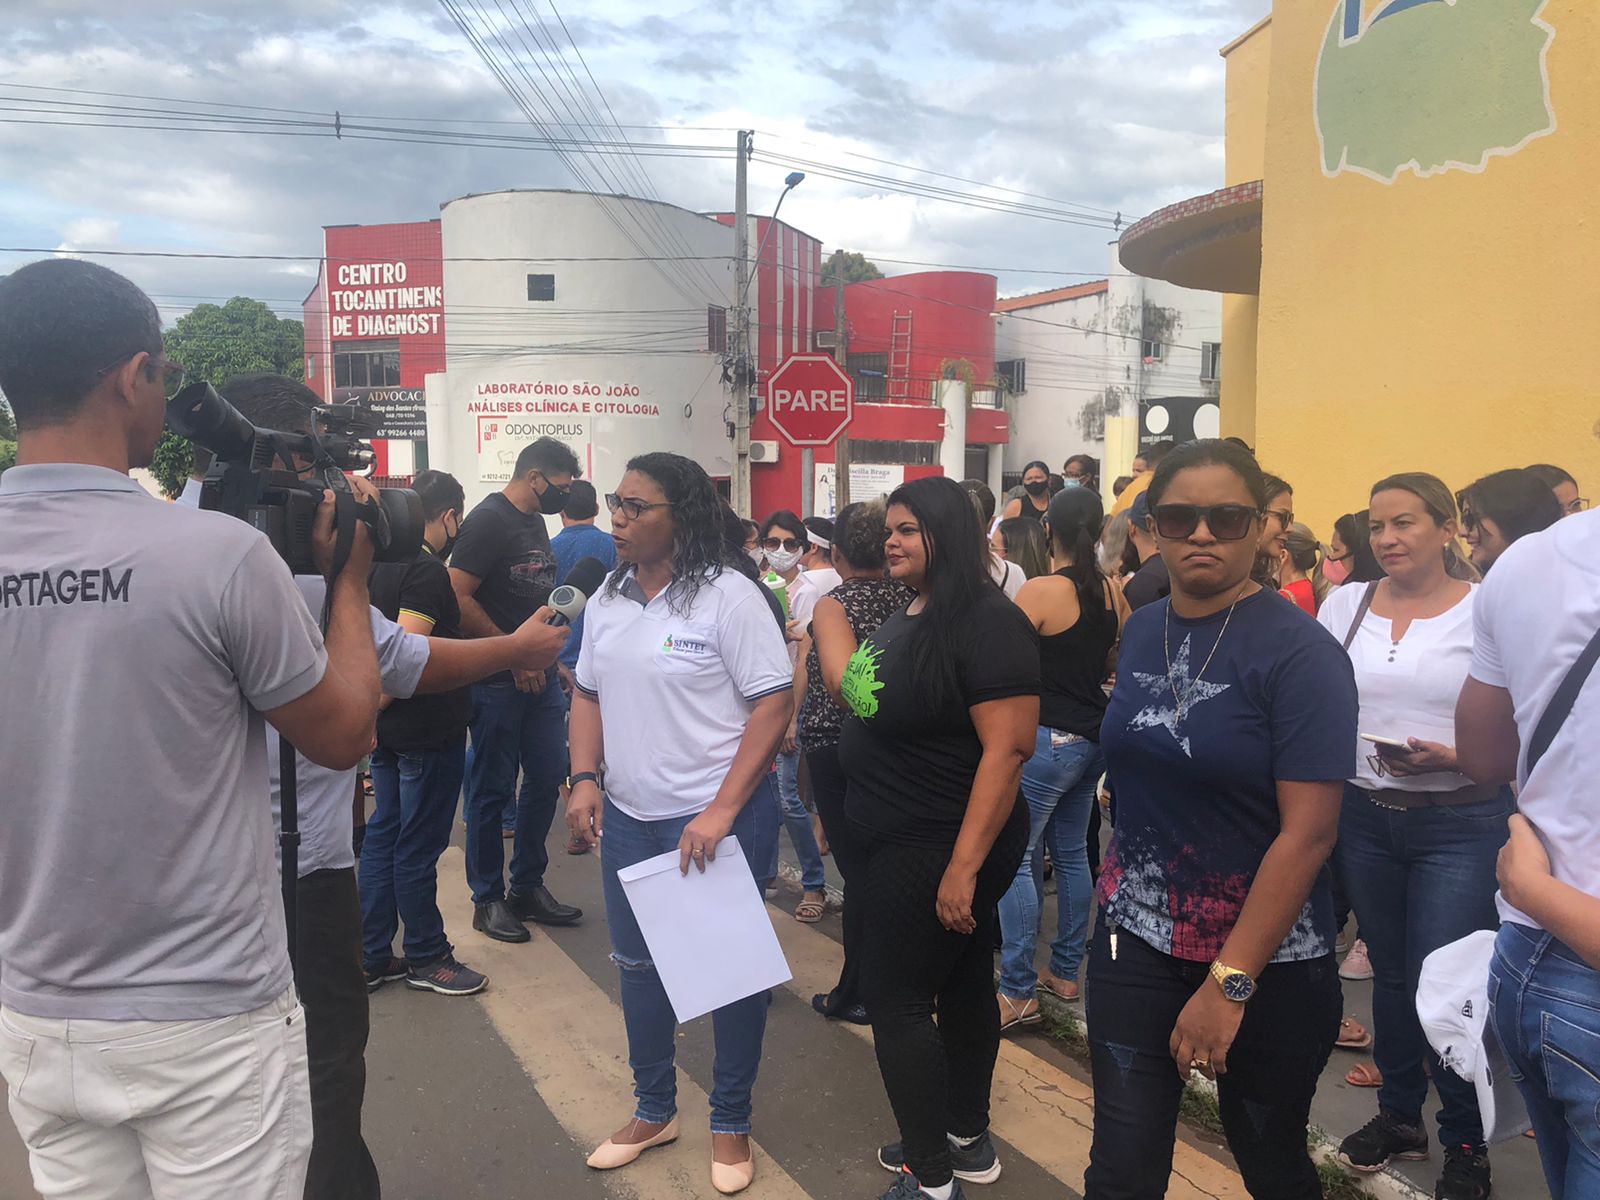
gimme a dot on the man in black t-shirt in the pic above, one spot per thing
(1151, 581)
(417, 770)
(502, 570)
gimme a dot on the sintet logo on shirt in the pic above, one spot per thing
(680, 643)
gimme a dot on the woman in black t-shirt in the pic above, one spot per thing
(944, 700)
(863, 601)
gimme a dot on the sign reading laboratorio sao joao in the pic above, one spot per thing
(374, 300)
(510, 415)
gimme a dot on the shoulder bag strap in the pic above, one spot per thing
(1361, 614)
(1555, 716)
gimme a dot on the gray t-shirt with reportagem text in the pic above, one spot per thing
(140, 642)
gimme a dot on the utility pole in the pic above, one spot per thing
(841, 339)
(743, 367)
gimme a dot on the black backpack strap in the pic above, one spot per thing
(1560, 708)
(1361, 614)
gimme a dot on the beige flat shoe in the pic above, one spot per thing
(610, 1155)
(730, 1178)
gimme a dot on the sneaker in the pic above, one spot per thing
(1341, 944)
(1380, 1141)
(390, 972)
(1465, 1175)
(447, 977)
(906, 1187)
(976, 1163)
(1356, 966)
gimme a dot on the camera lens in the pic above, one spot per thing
(201, 415)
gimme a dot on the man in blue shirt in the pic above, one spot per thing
(578, 539)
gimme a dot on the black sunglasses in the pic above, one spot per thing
(1227, 522)
(773, 543)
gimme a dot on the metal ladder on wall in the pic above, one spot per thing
(900, 357)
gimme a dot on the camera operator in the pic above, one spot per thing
(143, 644)
(328, 937)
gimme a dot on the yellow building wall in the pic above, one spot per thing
(1438, 316)
(1239, 355)
(1249, 60)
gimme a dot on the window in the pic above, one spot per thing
(367, 367)
(1153, 351)
(541, 287)
(1210, 362)
(716, 329)
(871, 373)
(909, 454)
(1012, 375)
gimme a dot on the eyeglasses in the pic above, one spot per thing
(634, 508)
(171, 372)
(1227, 522)
(1577, 506)
(1285, 519)
(1469, 519)
(789, 544)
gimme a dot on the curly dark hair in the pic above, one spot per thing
(858, 530)
(700, 542)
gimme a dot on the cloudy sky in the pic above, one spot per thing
(1115, 105)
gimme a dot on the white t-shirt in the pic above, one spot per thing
(1408, 688)
(1535, 613)
(676, 689)
(1007, 574)
(823, 579)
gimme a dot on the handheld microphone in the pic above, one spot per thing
(583, 581)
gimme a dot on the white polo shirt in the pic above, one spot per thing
(676, 688)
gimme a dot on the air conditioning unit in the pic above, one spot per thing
(825, 339)
(764, 452)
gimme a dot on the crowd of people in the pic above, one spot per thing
(1372, 747)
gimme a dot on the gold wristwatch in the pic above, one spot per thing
(1235, 984)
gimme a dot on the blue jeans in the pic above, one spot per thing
(767, 812)
(513, 730)
(738, 1028)
(416, 794)
(1544, 1005)
(1058, 782)
(798, 821)
(1418, 879)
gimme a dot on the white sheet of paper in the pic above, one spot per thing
(709, 935)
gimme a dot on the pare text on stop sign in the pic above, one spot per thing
(835, 400)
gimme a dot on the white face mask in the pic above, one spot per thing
(783, 561)
(755, 554)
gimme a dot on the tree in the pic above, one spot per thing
(214, 343)
(857, 268)
(8, 423)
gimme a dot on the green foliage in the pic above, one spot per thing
(213, 342)
(8, 454)
(856, 268)
(8, 423)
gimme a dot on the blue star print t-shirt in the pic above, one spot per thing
(1195, 754)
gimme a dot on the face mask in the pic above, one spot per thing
(553, 500)
(755, 554)
(449, 542)
(1067, 481)
(1334, 572)
(783, 561)
(1036, 489)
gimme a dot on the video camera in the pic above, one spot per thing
(254, 476)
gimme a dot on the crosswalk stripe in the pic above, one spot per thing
(1036, 1106)
(568, 1035)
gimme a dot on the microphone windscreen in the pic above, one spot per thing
(586, 576)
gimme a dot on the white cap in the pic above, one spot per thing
(1453, 1006)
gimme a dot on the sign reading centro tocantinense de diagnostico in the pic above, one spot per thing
(374, 300)
(507, 416)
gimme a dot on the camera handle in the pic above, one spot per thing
(289, 840)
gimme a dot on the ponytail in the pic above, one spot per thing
(1075, 517)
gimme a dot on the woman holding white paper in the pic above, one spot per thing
(684, 665)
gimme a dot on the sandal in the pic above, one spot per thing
(1017, 1012)
(809, 911)
(1353, 1035)
(1364, 1075)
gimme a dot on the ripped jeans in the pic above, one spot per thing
(652, 1027)
(1131, 1006)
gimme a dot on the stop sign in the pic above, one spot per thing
(810, 399)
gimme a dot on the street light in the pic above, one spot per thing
(792, 181)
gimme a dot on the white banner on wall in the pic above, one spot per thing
(509, 415)
(868, 481)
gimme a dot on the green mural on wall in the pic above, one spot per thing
(1431, 86)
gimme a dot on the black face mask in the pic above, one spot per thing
(1036, 489)
(449, 542)
(553, 500)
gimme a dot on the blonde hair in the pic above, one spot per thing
(1440, 504)
(1306, 554)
